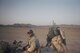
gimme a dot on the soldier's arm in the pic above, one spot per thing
(63, 37)
(27, 45)
(62, 34)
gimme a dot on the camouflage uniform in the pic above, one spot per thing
(55, 39)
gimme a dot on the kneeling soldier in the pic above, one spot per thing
(34, 46)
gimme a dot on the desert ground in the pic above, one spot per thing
(10, 34)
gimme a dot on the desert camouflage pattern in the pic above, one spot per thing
(34, 45)
(56, 41)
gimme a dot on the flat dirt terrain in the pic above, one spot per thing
(16, 33)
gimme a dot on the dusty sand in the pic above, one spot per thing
(72, 36)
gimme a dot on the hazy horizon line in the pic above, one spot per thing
(37, 24)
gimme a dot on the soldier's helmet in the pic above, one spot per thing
(30, 32)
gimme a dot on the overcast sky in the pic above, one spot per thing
(40, 12)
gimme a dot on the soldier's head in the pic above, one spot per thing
(30, 33)
(15, 42)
